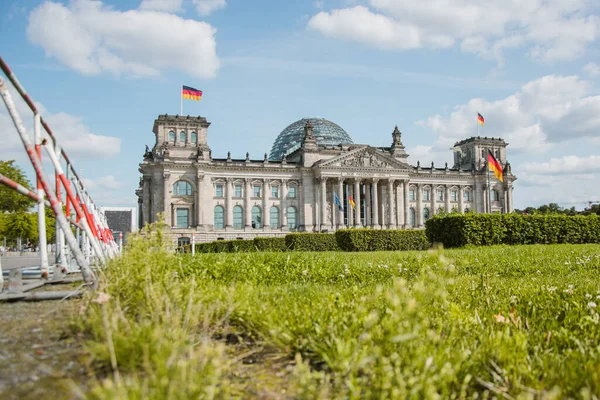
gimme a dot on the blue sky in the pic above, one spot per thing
(103, 71)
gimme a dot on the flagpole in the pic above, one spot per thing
(181, 101)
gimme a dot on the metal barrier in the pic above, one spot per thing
(92, 244)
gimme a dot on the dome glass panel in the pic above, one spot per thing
(290, 139)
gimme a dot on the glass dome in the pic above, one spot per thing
(324, 131)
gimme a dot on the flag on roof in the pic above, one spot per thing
(189, 92)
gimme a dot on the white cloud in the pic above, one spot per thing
(566, 165)
(592, 69)
(545, 111)
(104, 182)
(92, 38)
(72, 134)
(318, 4)
(162, 5)
(557, 30)
(206, 7)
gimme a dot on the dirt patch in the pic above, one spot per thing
(39, 358)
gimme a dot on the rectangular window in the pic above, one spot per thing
(182, 217)
(238, 191)
(256, 191)
(411, 195)
(440, 195)
(292, 192)
(467, 196)
(426, 195)
(453, 195)
(219, 190)
(275, 192)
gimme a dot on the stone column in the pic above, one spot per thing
(146, 211)
(323, 203)
(356, 199)
(200, 203)
(316, 210)
(375, 205)
(510, 198)
(350, 192)
(247, 195)
(265, 204)
(486, 199)
(399, 205)
(448, 199)
(368, 219)
(461, 199)
(167, 198)
(407, 205)
(391, 212)
(340, 221)
(419, 218)
(228, 203)
(283, 207)
(433, 195)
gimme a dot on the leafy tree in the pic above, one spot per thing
(10, 200)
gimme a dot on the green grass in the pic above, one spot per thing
(462, 323)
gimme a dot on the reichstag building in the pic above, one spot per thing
(315, 179)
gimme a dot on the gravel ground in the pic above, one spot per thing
(39, 357)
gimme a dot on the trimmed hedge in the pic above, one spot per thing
(311, 242)
(270, 243)
(226, 246)
(381, 240)
(455, 230)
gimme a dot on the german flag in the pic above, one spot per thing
(495, 166)
(191, 93)
(351, 201)
(480, 119)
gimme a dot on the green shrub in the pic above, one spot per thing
(270, 243)
(378, 240)
(226, 246)
(455, 230)
(308, 241)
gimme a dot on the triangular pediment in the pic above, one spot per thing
(363, 158)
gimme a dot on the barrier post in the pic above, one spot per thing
(86, 272)
(121, 242)
(43, 242)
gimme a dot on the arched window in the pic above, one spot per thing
(411, 217)
(494, 195)
(182, 188)
(426, 214)
(256, 217)
(274, 217)
(182, 137)
(498, 155)
(482, 153)
(171, 136)
(467, 195)
(291, 218)
(238, 217)
(219, 217)
(194, 137)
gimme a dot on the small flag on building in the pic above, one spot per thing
(351, 201)
(337, 201)
(191, 93)
(495, 166)
(480, 119)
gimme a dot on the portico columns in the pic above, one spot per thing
(509, 198)
(265, 204)
(406, 205)
(399, 205)
(448, 199)
(228, 207)
(391, 219)
(284, 194)
(146, 211)
(248, 212)
(340, 221)
(356, 199)
(167, 204)
(368, 204)
(323, 202)
(199, 179)
(375, 205)
(461, 197)
(420, 205)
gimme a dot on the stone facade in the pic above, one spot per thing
(242, 198)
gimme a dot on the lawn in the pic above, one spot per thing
(462, 323)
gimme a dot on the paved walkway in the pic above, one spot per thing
(26, 260)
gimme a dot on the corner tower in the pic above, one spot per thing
(472, 153)
(178, 136)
